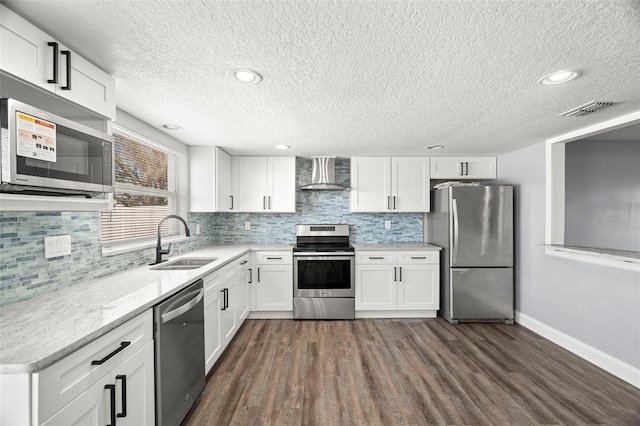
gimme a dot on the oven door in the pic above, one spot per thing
(325, 275)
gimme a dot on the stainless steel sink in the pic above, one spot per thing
(185, 263)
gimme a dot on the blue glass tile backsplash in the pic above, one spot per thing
(25, 273)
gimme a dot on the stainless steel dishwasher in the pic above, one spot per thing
(179, 354)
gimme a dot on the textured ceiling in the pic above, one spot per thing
(357, 77)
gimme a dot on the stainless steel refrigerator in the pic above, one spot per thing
(474, 226)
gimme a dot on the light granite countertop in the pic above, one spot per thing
(395, 247)
(38, 332)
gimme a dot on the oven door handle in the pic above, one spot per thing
(323, 254)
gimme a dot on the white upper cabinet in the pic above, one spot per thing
(265, 184)
(389, 184)
(463, 168)
(33, 56)
(210, 180)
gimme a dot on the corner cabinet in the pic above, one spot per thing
(404, 284)
(463, 168)
(33, 56)
(210, 180)
(265, 184)
(390, 184)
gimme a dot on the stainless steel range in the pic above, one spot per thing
(323, 273)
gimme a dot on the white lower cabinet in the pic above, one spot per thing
(401, 283)
(272, 281)
(212, 307)
(226, 306)
(123, 397)
(79, 389)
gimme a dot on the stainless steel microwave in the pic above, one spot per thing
(42, 153)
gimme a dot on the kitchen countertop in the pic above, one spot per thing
(395, 247)
(38, 332)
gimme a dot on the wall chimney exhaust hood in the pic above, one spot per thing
(323, 175)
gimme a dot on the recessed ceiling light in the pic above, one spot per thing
(282, 147)
(246, 76)
(435, 147)
(558, 77)
(172, 126)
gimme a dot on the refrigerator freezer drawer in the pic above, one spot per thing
(481, 294)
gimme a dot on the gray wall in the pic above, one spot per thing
(602, 195)
(597, 305)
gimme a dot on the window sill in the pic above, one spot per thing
(138, 245)
(628, 260)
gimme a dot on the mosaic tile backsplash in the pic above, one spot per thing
(25, 273)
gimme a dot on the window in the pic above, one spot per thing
(151, 182)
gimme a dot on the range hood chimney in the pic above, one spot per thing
(323, 176)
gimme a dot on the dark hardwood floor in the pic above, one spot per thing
(411, 372)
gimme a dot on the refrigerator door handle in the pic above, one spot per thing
(455, 231)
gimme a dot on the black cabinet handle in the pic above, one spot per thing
(418, 257)
(250, 276)
(274, 258)
(124, 395)
(224, 302)
(264, 203)
(231, 196)
(226, 298)
(394, 202)
(400, 273)
(67, 53)
(112, 397)
(395, 273)
(54, 80)
(258, 274)
(376, 257)
(111, 355)
(461, 169)
(244, 262)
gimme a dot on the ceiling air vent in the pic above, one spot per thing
(585, 109)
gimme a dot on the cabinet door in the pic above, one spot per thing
(463, 168)
(138, 374)
(93, 407)
(274, 287)
(376, 287)
(419, 287)
(370, 184)
(24, 50)
(252, 184)
(89, 85)
(281, 182)
(228, 316)
(202, 179)
(212, 333)
(225, 199)
(242, 291)
(410, 184)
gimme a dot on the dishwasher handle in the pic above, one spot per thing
(174, 313)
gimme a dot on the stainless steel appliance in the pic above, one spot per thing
(474, 226)
(179, 354)
(323, 273)
(42, 153)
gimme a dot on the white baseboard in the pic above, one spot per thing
(270, 315)
(620, 369)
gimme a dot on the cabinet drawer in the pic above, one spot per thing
(58, 384)
(274, 258)
(425, 257)
(376, 257)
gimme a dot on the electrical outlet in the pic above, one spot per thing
(57, 246)
(197, 229)
(387, 224)
(247, 226)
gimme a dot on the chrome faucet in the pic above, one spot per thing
(159, 250)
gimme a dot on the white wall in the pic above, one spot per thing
(595, 305)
